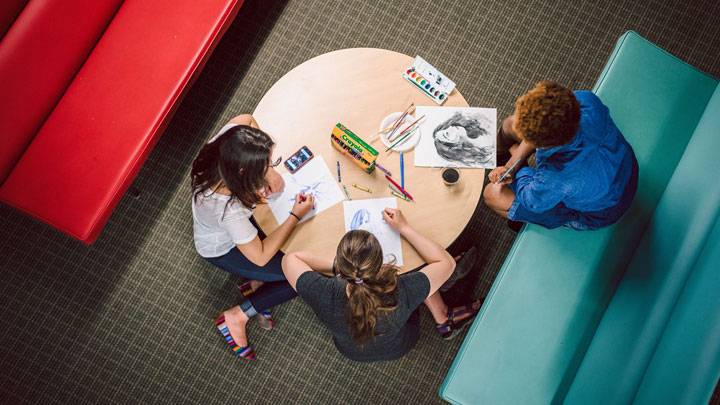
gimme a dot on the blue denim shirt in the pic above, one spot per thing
(590, 174)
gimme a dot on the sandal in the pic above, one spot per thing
(465, 264)
(246, 352)
(265, 320)
(451, 328)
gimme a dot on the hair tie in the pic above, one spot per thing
(358, 281)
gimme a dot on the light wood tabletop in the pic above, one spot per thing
(358, 87)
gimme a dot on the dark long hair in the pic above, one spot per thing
(465, 152)
(240, 158)
(359, 260)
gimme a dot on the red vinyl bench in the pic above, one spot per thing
(88, 87)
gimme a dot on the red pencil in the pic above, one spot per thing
(399, 187)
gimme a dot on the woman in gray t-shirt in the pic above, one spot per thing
(370, 310)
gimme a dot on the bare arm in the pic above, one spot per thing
(440, 264)
(296, 263)
(519, 152)
(245, 119)
(261, 251)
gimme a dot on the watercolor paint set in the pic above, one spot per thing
(351, 145)
(429, 80)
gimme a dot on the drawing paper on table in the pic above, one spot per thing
(313, 178)
(367, 215)
(457, 137)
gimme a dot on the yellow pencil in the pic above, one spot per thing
(398, 195)
(365, 189)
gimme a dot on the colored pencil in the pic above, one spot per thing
(402, 170)
(400, 120)
(338, 170)
(402, 190)
(401, 140)
(363, 188)
(382, 169)
(409, 127)
(347, 195)
(379, 133)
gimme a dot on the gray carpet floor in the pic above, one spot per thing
(129, 319)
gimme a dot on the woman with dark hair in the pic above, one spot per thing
(233, 173)
(462, 139)
(370, 310)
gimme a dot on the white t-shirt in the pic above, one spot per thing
(216, 234)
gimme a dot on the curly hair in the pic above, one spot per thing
(548, 115)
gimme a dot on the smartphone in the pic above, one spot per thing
(298, 159)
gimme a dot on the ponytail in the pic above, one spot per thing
(372, 284)
(368, 300)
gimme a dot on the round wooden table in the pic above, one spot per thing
(359, 87)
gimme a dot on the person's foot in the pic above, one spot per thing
(458, 318)
(465, 262)
(265, 320)
(231, 324)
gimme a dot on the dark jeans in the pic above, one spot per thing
(276, 289)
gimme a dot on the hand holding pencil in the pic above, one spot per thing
(503, 174)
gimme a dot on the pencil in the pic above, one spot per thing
(402, 190)
(409, 127)
(399, 141)
(347, 195)
(391, 126)
(363, 188)
(402, 170)
(379, 133)
(506, 172)
(400, 120)
(382, 169)
(338, 170)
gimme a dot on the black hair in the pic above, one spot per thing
(240, 159)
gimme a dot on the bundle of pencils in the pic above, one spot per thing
(396, 124)
(404, 135)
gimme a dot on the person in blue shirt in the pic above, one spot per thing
(585, 173)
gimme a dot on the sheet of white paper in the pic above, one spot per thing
(367, 215)
(313, 178)
(457, 137)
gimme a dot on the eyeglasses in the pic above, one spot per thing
(277, 161)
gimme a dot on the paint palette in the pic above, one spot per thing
(429, 80)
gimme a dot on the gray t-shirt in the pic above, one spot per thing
(395, 333)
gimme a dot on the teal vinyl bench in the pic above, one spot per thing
(628, 313)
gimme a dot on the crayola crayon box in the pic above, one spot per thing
(353, 147)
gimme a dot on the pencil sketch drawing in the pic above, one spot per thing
(314, 178)
(458, 137)
(360, 218)
(367, 215)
